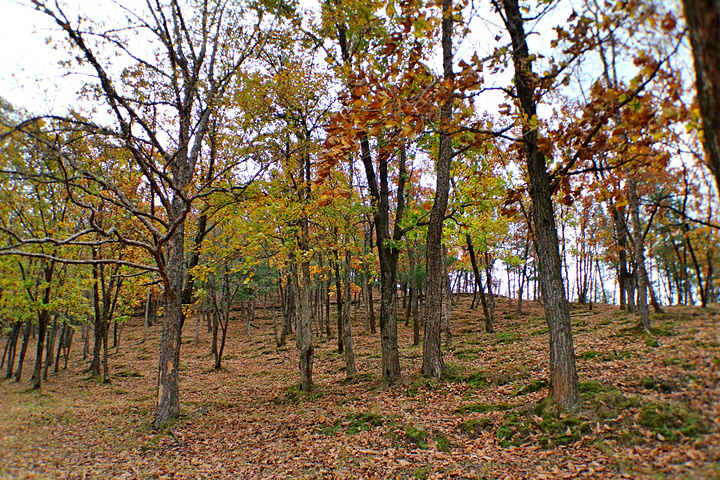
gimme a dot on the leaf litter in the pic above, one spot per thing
(649, 409)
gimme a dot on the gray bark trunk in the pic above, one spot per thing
(639, 248)
(703, 21)
(563, 370)
(432, 349)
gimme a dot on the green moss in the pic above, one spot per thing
(588, 355)
(564, 429)
(443, 444)
(420, 383)
(417, 436)
(541, 331)
(468, 353)
(485, 407)
(361, 378)
(505, 337)
(532, 387)
(477, 379)
(363, 422)
(330, 430)
(671, 420)
(129, 374)
(593, 388)
(294, 395)
(475, 427)
(616, 355)
(422, 473)
(663, 330)
(514, 430)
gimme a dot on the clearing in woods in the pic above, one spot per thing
(651, 406)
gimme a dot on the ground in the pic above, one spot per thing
(650, 409)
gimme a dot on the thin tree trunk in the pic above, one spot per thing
(50, 349)
(490, 294)
(11, 348)
(489, 320)
(350, 367)
(640, 272)
(23, 350)
(623, 274)
(523, 276)
(61, 345)
(447, 303)
(43, 321)
(432, 349)
(339, 295)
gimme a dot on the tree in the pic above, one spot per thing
(563, 370)
(196, 52)
(432, 354)
(703, 21)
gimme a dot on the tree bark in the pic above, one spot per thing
(489, 320)
(563, 370)
(623, 274)
(11, 348)
(347, 340)
(43, 321)
(639, 248)
(387, 253)
(432, 347)
(23, 350)
(703, 21)
(168, 386)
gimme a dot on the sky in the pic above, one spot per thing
(30, 75)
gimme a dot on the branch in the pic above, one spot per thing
(69, 261)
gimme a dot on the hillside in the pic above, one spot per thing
(651, 406)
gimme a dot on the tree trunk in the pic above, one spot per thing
(490, 294)
(168, 386)
(50, 349)
(523, 275)
(413, 294)
(623, 274)
(432, 349)
(61, 344)
(11, 348)
(378, 185)
(703, 21)
(447, 301)
(639, 248)
(489, 320)
(43, 321)
(339, 294)
(563, 370)
(304, 322)
(23, 350)
(347, 340)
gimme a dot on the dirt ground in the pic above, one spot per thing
(650, 408)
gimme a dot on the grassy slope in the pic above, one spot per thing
(651, 405)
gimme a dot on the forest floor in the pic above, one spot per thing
(650, 406)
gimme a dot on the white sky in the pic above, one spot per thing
(29, 75)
